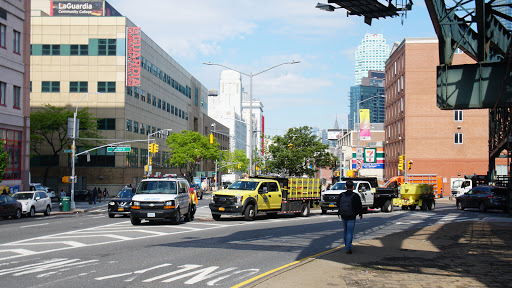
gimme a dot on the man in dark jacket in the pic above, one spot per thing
(349, 206)
(94, 195)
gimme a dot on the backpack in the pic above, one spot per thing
(345, 208)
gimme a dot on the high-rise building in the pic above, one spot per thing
(227, 109)
(15, 92)
(134, 89)
(258, 121)
(370, 55)
(370, 95)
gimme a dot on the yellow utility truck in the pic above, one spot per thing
(413, 195)
(270, 195)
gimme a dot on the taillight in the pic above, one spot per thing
(490, 196)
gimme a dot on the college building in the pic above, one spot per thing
(86, 54)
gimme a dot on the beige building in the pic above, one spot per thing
(74, 56)
(449, 143)
(15, 92)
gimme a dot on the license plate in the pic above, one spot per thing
(331, 205)
(151, 214)
(120, 209)
(222, 209)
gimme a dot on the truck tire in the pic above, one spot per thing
(177, 217)
(249, 213)
(404, 207)
(431, 205)
(304, 210)
(135, 221)
(324, 211)
(216, 217)
(387, 207)
(412, 207)
(423, 206)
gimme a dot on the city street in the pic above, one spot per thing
(89, 249)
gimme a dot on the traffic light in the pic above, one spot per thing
(155, 148)
(66, 179)
(290, 146)
(401, 162)
(151, 148)
(409, 165)
(211, 138)
(150, 161)
(145, 168)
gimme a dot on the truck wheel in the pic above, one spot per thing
(431, 205)
(404, 207)
(460, 206)
(249, 213)
(423, 206)
(135, 221)
(304, 210)
(412, 207)
(387, 207)
(216, 217)
(177, 217)
(324, 211)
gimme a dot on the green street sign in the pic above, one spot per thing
(119, 149)
(68, 151)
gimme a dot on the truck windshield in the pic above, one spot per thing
(457, 183)
(338, 186)
(157, 187)
(243, 185)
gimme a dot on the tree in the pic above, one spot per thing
(238, 159)
(3, 160)
(189, 147)
(260, 159)
(299, 153)
(49, 129)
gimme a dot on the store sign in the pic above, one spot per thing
(73, 8)
(133, 51)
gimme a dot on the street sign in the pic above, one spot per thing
(68, 151)
(119, 149)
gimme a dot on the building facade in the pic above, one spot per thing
(258, 122)
(368, 95)
(15, 92)
(83, 61)
(370, 55)
(448, 143)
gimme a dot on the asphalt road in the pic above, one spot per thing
(89, 249)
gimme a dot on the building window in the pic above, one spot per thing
(3, 90)
(196, 97)
(136, 92)
(458, 115)
(458, 138)
(135, 127)
(129, 91)
(142, 95)
(128, 125)
(149, 98)
(107, 47)
(16, 42)
(82, 50)
(107, 87)
(16, 97)
(168, 107)
(148, 129)
(107, 124)
(142, 130)
(50, 86)
(154, 100)
(75, 87)
(159, 103)
(133, 157)
(163, 105)
(46, 49)
(2, 35)
(55, 49)
(11, 139)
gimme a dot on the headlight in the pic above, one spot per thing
(211, 198)
(135, 203)
(169, 205)
(239, 199)
(111, 203)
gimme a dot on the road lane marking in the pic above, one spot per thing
(34, 225)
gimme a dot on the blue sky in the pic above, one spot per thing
(251, 36)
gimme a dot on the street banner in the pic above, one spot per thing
(74, 8)
(364, 124)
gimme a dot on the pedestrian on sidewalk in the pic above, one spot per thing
(105, 194)
(349, 206)
(94, 195)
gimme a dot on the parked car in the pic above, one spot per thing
(121, 203)
(9, 207)
(33, 202)
(83, 195)
(483, 198)
(41, 187)
(197, 189)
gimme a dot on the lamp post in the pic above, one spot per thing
(73, 152)
(250, 75)
(357, 116)
(151, 134)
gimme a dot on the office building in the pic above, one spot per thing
(258, 121)
(369, 95)
(370, 55)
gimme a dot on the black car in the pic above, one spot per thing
(9, 207)
(484, 198)
(121, 203)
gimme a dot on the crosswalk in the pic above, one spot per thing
(416, 217)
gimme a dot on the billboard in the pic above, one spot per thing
(364, 123)
(133, 50)
(73, 8)
(334, 134)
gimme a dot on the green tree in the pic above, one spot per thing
(49, 131)
(299, 153)
(238, 159)
(188, 147)
(3, 160)
(260, 159)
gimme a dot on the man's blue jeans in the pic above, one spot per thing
(348, 233)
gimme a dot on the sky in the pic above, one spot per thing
(251, 36)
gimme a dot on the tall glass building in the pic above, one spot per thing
(370, 95)
(370, 55)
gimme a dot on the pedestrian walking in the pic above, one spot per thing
(105, 194)
(94, 195)
(5, 192)
(349, 206)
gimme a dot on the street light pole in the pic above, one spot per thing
(250, 75)
(73, 152)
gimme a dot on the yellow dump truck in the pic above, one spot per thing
(414, 195)
(270, 195)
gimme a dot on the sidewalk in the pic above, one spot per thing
(80, 207)
(463, 254)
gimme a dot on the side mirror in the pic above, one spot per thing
(263, 191)
(38, 198)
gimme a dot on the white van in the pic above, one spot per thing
(161, 198)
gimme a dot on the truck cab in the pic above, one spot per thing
(460, 186)
(363, 188)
